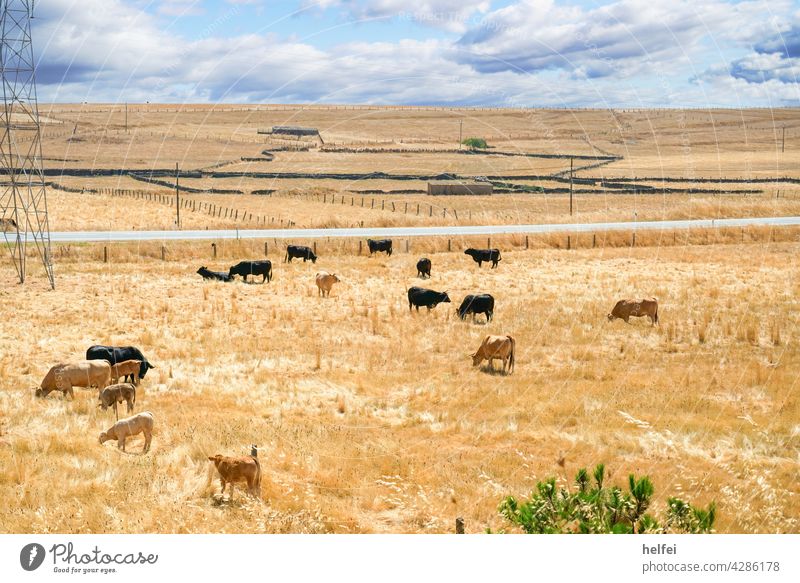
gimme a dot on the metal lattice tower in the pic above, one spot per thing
(23, 201)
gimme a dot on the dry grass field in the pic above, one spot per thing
(652, 145)
(372, 419)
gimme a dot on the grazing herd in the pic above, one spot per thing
(116, 371)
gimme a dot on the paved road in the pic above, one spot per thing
(455, 231)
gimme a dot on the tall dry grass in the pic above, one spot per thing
(372, 419)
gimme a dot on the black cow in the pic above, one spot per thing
(117, 354)
(481, 255)
(218, 275)
(300, 252)
(380, 245)
(477, 304)
(419, 296)
(245, 268)
(424, 267)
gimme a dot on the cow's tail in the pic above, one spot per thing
(655, 316)
(269, 272)
(511, 356)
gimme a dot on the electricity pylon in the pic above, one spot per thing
(23, 200)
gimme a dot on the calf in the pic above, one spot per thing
(424, 267)
(419, 296)
(325, 282)
(87, 373)
(300, 252)
(125, 428)
(477, 304)
(113, 394)
(384, 245)
(218, 275)
(496, 347)
(625, 309)
(245, 268)
(238, 469)
(115, 354)
(481, 255)
(123, 370)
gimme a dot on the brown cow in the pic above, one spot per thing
(121, 430)
(496, 347)
(121, 370)
(325, 282)
(113, 394)
(239, 469)
(86, 373)
(626, 309)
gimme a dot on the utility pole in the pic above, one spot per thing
(570, 186)
(460, 132)
(126, 117)
(783, 140)
(177, 197)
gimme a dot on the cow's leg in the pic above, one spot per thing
(222, 481)
(69, 391)
(148, 436)
(115, 410)
(121, 443)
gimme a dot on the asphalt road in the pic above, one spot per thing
(454, 231)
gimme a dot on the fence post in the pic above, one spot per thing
(594, 241)
(569, 243)
(266, 248)
(459, 525)
(488, 242)
(633, 244)
(105, 254)
(430, 212)
(163, 253)
(315, 247)
(526, 242)
(214, 249)
(407, 242)
(383, 204)
(360, 244)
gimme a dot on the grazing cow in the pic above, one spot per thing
(424, 267)
(325, 282)
(125, 428)
(125, 369)
(115, 354)
(245, 268)
(87, 373)
(218, 275)
(477, 304)
(238, 469)
(113, 394)
(419, 296)
(481, 255)
(496, 347)
(384, 245)
(300, 252)
(626, 309)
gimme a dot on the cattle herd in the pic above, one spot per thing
(105, 366)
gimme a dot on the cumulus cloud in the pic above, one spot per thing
(534, 53)
(450, 15)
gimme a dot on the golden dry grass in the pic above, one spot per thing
(371, 419)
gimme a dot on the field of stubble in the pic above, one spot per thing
(372, 419)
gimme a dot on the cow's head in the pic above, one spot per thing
(335, 278)
(144, 367)
(215, 458)
(312, 256)
(610, 317)
(469, 251)
(201, 270)
(39, 392)
(476, 359)
(445, 298)
(104, 437)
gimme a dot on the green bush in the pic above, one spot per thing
(593, 508)
(475, 143)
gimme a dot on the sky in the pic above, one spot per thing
(509, 53)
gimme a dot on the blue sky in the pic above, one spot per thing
(514, 53)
